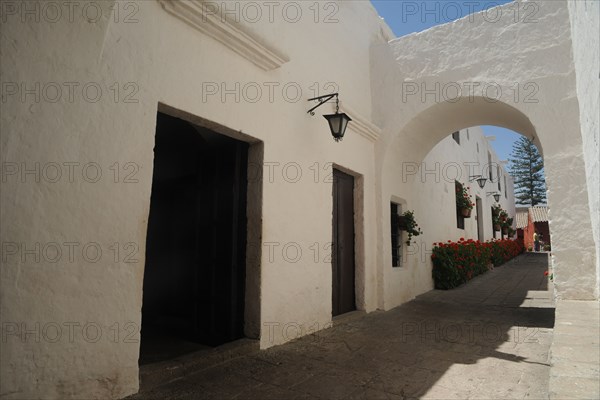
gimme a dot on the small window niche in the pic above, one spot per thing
(396, 234)
(456, 137)
(460, 220)
(498, 173)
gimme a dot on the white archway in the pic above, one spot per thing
(473, 72)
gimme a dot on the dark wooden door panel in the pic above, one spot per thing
(194, 279)
(343, 296)
(221, 242)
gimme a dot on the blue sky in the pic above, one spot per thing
(405, 17)
(504, 140)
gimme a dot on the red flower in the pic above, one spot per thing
(546, 273)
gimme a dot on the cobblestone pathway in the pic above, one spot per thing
(488, 339)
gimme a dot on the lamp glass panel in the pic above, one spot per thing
(334, 124)
(337, 123)
(343, 123)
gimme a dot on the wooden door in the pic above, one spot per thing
(221, 242)
(343, 243)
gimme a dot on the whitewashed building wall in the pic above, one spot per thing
(81, 92)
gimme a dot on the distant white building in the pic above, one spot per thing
(459, 159)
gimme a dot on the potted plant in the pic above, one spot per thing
(511, 232)
(497, 211)
(464, 202)
(407, 223)
(506, 223)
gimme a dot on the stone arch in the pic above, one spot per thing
(415, 112)
(441, 119)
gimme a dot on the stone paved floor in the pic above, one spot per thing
(488, 339)
(575, 351)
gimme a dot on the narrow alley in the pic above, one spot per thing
(487, 339)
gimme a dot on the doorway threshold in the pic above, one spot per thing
(163, 372)
(348, 317)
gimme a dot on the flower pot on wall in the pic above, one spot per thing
(465, 212)
(504, 230)
(497, 227)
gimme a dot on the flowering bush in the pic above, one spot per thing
(464, 198)
(455, 263)
(504, 250)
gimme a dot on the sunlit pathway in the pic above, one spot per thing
(488, 339)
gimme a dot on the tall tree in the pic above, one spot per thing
(527, 168)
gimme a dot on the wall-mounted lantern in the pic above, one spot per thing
(338, 121)
(480, 180)
(495, 194)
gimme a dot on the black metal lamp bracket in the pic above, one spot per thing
(324, 99)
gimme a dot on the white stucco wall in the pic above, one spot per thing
(144, 58)
(161, 59)
(427, 188)
(434, 193)
(585, 31)
(438, 81)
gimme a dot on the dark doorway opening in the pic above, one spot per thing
(479, 209)
(493, 226)
(343, 263)
(194, 277)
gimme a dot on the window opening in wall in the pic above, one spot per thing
(498, 174)
(396, 234)
(493, 228)
(456, 137)
(460, 220)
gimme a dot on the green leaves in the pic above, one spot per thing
(407, 222)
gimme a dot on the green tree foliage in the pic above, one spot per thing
(527, 168)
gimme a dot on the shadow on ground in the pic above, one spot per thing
(488, 339)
